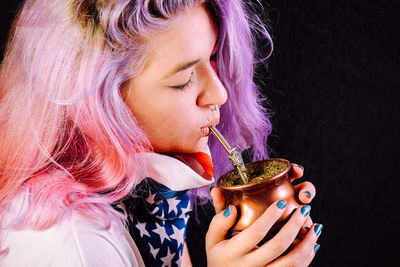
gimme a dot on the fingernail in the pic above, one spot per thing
(317, 229)
(308, 193)
(307, 228)
(281, 204)
(316, 247)
(305, 210)
(227, 212)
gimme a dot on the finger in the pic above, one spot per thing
(218, 198)
(311, 255)
(283, 239)
(302, 253)
(306, 228)
(296, 171)
(306, 191)
(219, 226)
(248, 239)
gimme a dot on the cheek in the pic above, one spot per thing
(169, 119)
(175, 133)
(165, 123)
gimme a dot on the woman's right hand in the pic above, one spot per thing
(242, 249)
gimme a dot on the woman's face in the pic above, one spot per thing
(172, 99)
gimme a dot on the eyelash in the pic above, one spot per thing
(185, 85)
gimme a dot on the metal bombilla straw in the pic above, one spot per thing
(234, 156)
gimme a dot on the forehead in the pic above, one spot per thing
(191, 34)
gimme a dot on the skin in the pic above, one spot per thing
(242, 249)
(176, 121)
(173, 118)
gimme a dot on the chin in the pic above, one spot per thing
(201, 144)
(193, 148)
(187, 148)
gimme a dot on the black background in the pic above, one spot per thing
(333, 85)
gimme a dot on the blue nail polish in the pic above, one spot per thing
(308, 194)
(317, 229)
(316, 247)
(281, 204)
(307, 228)
(305, 210)
(227, 212)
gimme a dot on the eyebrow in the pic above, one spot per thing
(183, 66)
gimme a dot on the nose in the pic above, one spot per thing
(213, 91)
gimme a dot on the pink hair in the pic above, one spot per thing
(66, 135)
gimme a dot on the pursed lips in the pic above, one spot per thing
(212, 122)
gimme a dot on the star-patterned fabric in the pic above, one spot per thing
(158, 209)
(157, 220)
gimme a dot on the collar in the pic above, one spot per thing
(178, 172)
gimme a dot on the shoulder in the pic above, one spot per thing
(76, 242)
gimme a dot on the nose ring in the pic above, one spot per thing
(215, 107)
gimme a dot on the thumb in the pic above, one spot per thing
(218, 199)
(219, 226)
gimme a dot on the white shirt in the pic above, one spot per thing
(77, 242)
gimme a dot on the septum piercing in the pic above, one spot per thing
(215, 107)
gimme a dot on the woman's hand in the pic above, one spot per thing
(242, 249)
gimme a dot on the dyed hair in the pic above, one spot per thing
(67, 138)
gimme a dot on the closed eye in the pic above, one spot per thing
(185, 85)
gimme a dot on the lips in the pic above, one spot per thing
(205, 129)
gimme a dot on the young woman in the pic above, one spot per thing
(104, 113)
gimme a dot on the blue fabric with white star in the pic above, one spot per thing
(157, 220)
